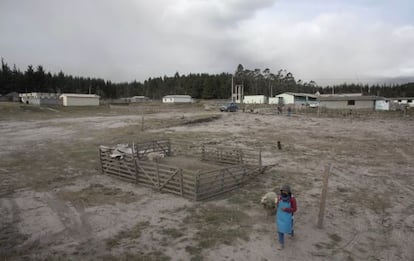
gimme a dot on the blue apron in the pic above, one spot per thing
(284, 219)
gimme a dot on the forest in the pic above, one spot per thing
(197, 85)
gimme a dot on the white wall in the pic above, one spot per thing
(273, 100)
(80, 101)
(255, 99)
(177, 100)
(287, 98)
(382, 105)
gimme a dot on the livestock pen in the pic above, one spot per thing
(230, 167)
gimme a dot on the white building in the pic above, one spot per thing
(405, 100)
(39, 98)
(255, 99)
(74, 99)
(177, 99)
(352, 102)
(294, 98)
(135, 99)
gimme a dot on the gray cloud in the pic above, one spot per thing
(127, 40)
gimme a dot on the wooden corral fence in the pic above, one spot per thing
(163, 146)
(185, 147)
(189, 184)
(150, 174)
(231, 155)
(216, 182)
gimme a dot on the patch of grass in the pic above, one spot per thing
(332, 246)
(172, 232)
(216, 226)
(133, 233)
(10, 239)
(97, 194)
(335, 238)
(245, 198)
(202, 119)
(151, 256)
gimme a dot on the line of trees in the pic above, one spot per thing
(199, 86)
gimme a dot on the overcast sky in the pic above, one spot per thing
(323, 40)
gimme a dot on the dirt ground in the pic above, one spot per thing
(55, 204)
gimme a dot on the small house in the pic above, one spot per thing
(74, 99)
(177, 99)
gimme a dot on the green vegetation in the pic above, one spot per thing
(216, 225)
(97, 194)
(200, 86)
(133, 233)
(152, 256)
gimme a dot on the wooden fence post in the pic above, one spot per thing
(260, 158)
(135, 158)
(100, 159)
(181, 183)
(323, 195)
(196, 183)
(158, 174)
(169, 148)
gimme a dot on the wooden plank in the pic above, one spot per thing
(122, 170)
(219, 180)
(145, 173)
(119, 174)
(323, 195)
(115, 168)
(239, 171)
(161, 175)
(211, 195)
(218, 184)
(214, 189)
(172, 176)
(181, 183)
(223, 178)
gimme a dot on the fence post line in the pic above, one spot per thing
(100, 159)
(196, 183)
(323, 195)
(241, 157)
(135, 158)
(260, 158)
(158, 174)
(169, 147)
(181, 183)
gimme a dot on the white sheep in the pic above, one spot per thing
(155, 156)
(269, 203)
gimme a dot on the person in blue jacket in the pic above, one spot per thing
(285, 208)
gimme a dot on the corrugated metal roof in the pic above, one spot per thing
(299, 94)
(79, 95)
(177, 96)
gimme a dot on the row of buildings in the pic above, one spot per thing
(74, 99)
(65, 99)
(338, 101)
